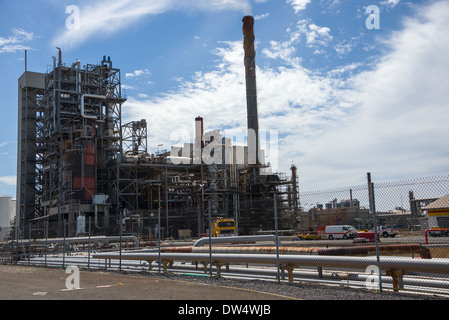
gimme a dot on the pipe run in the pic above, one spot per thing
(339, 251)
(75, 240)
(389, 264)
(95, 96)
(236, 239)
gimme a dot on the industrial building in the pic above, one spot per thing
(336, 213)
(7, 212)
(79, 165)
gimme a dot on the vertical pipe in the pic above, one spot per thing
(120, 225)
(210, 240)
(166, 198)
(159, 235)
(59, 56)
(295, 189)
(277, 237)
(251, 90)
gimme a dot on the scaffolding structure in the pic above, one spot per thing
(78, 162)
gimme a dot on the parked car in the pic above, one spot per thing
(386, 232)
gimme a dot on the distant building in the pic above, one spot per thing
(315, 217)
(437, 214)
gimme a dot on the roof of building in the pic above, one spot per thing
(441, 203)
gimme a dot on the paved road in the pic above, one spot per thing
(30, 283)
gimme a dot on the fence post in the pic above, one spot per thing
(88, 244)
(46, 241)
(158, 239)
(210, 239)
(372, 204)
(120, 243)
(29, 243)
(63, 247)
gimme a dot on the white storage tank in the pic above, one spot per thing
(5, 216)
(80, 224)
(13, 209)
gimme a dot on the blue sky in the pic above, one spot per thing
(343, 99)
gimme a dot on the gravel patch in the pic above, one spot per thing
(305, 291)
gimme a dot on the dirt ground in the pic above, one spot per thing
(31, 283)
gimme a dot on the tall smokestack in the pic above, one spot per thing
(199, 132)
(251, 91)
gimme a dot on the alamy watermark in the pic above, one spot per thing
(73, 280)
(373, 20)
(372, 281)
(73, 20)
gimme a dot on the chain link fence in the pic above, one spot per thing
(343, 236)
(388, 220)
(399, 205)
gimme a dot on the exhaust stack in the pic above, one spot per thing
(251, 91)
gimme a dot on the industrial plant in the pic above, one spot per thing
(88, 185)
(80, 167)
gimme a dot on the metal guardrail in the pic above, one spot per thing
(393, 266)
(426, 233)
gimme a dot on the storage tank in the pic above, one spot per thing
(80, 224)
(13, 209)
(5, 216)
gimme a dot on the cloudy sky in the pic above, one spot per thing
(348, 86)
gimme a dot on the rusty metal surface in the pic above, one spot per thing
(339, 251)
(383, 249)
(248, 45)
(251, 88)
(256, 250)
(187, 249)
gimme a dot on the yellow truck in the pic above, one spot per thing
(224, 227)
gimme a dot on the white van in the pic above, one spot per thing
(340, 232)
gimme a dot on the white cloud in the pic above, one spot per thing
(294, 112)
(391, 3)
(137, 73)
(9, 180)
(388, 120)
(343, 49)
(261, 16)
(16, 41)
(128, 87)
(396, 127)
(111, 16)
(282, 50)
(315, 35)
(298, 5)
